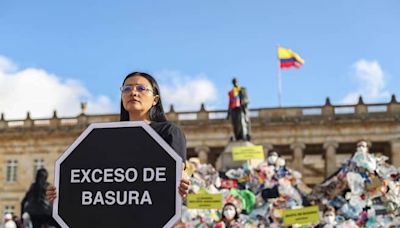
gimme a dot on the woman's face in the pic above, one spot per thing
(229, 212)
(329, 217)
(137, 95)
(362, 147)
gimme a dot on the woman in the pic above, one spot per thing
(141, 101)
(229, 218)
(328, 218)
(35, 203)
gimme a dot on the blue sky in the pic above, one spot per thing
(55, 54)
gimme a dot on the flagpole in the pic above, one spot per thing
(279, 83)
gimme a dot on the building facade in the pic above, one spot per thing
(314, 140)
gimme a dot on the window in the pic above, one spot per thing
(9, 209)
(37, 164)
(11, 174)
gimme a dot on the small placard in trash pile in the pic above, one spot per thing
(241, 153)
(301, 216)
(204, 201)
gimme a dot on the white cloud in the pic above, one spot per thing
(186, 92)
(371, 82)
(39, 92)
(6, 65)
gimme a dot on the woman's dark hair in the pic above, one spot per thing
(40, 184)
(157, 111)
(329, 209)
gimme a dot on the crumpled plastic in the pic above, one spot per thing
(248, 199)
(355, 182)
(393, 195)
(286, 189)
(369, 195)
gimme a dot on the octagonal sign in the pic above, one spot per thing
(119, 174)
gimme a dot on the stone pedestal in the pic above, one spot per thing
(225, 160)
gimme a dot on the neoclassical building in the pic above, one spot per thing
(314, 140)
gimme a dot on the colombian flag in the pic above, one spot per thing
(289, 58)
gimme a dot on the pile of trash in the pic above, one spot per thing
(364, 192)
(258, 194)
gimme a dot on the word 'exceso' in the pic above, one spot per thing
(118, 175)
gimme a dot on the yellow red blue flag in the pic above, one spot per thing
(289, 58)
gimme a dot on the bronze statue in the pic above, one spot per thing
(238, 111)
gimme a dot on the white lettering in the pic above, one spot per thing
(127, 177)
(86, 198)
(74, 175)
(119, 196)
(85, 175)
(119, 175)
(148, 174)
(146, 198)
(96, 180)
(110, 197)
(160, 174)
(98, 199)
(133, 195)
(108, 174)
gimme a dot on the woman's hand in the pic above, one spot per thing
(51, 193)
(184, 185)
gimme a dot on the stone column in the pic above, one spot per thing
(297, 163)
(330, 157)
(395, 152)
(202, 153)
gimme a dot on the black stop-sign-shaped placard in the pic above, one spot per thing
(119, 174)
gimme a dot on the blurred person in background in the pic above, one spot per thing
(36, 204)
(8, 221)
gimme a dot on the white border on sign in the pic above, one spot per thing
(152, 133)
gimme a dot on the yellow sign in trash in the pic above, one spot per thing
(247, 153)
(301, 216)
(204, 201)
